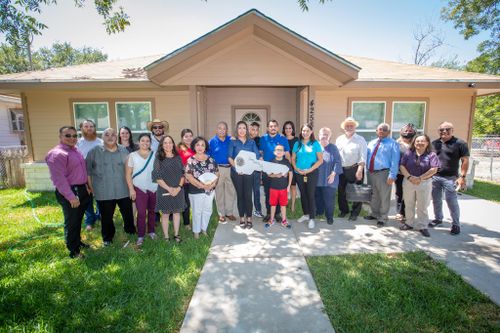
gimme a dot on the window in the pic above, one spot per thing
(250, 118)
(369, 115)
(407, 112)
(17, 120)
(134, 115)
(96, 111)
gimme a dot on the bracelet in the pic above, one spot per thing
(409, 177)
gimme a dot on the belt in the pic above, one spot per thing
(225, 165)
(355, 165)
(375, 171)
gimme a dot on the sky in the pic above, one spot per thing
(380, 29)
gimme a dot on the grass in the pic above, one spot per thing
(485, 190)
(407, 292)
(114, 289)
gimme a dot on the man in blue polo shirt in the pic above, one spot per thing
(225, 194)
(266, 145)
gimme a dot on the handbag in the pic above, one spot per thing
(358, 192)
(143, 168)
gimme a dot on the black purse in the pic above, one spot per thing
(358, 192)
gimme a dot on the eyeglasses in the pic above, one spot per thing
(157, 127)
(447, 129)
(74, 136)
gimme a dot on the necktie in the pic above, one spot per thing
(372, 158)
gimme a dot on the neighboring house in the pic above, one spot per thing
(11, 121)
(251, 68)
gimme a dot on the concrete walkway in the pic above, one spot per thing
(258, 281)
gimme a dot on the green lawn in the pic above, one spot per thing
(486, 190)
(114, 289)
(407, 292)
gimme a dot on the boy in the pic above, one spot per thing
(254, 135)
(279, 187)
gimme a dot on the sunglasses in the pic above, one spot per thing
(74, 136)
(157, 127)
(445, 129)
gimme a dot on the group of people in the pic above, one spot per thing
(157, 179)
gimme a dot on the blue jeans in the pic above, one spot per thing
(447, 184)
(256, 191)
(325, 201)
(90, 216)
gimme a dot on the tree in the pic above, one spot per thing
(449, 63)
(304, 4)
(428, 40)
(19, 25)
(58, 55)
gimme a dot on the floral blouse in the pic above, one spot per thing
(196, 168)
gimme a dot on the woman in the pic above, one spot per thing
(126, 140)
(201, 195)
(185, 152)
(406, 134)
(307, 156)
(418, 165)
(328, 177)
(289, 133)
(141, 186)
(242, 183)
(169, 174)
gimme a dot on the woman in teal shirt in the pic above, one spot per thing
(307, 156)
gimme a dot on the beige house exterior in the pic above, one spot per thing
(250, 68)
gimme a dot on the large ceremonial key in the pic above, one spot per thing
(246, 163)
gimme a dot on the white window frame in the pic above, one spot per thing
(14, 123)
(118, 125)
(358, 130)
(419, 130)
(98, 102)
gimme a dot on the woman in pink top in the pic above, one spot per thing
(185, 152)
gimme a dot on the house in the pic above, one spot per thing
(251, 68)
(11, 121)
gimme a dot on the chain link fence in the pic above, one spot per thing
(486, 151)
(11, 158)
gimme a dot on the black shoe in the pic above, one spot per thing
(380, 223)
(425, 232)
(76, 255)
(370, 218)
(352, 218)
(455, 230)
(107, 243)
(84, 245)
(406, 227)
(435, 223)
(342, 214)
(266, 218)
(329, 221)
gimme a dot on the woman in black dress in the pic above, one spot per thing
(168, 172)
(289, 133)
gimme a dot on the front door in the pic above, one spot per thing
(252, 114)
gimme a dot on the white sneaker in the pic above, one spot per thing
(303, 218)
(311, 224)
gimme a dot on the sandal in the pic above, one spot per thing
(178, 239)
(167, 239)
(405, 227)
(249, 224)
(243, 224)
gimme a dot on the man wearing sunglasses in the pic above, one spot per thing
(69, 176)
(158, 129)
(450, 151)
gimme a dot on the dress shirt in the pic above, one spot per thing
(67, 168)
(268, 143)
(154, 143)
(236, 145)
(351, 150)
(107, 170)
(387, 156)
(85, 145)
(218, 149)
(331, 163)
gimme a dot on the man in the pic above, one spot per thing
(106, 178)
(383, 164)
(267, 144)
(158, 129)
(352, 148)
(225, 193)
(85, 144)
(254, 135)
(69, 176)
(450, 151)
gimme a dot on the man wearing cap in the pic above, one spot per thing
(69, 175)
(352, 148)
(158, 129)
(450, 151)
(382, 165)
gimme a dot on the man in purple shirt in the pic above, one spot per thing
(69, 175)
